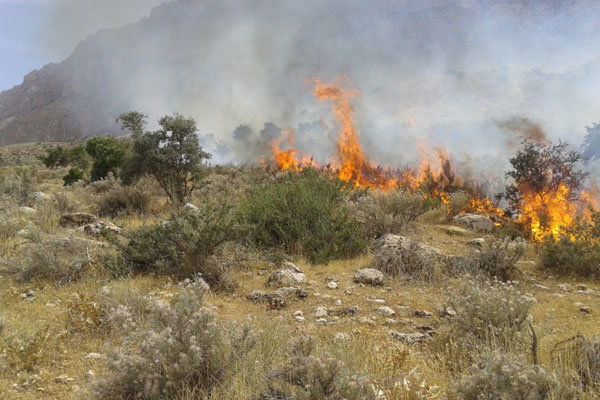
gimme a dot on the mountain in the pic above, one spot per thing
(229, 63)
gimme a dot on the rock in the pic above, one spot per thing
(408, 338)
(540, 287)
(298, 313)
(391, 321)
(321, 321)
(320, 312)
(582, 287)
(396, 254)
(63, 379)
(299, 318)
(586, 310)
(291, 276)
(378, 301)
(558, 295)
(96, 228)
(40, 196)
(478, 242)
(347, 312)
(190, 208)
(422, 313)
(28, 295)
(332, 285)
(476, 222)
(369, 276)
(450, 312)
(338, 302)
(93, 356)
(90, 374)
(564, 287)
(386, 311)
(75, 220)
(341, 337)
(454, 230)
(274, 300)
(27, 210)
(578, 304)
(290, 292)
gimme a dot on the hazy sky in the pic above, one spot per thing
(36, 32)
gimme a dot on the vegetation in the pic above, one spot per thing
(108, 154)
(303, 213)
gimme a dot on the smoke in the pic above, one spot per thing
(521, 128)
(441, 71)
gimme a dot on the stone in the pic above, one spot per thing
(386, 311)
(338, 302)
(564, 287)
(578, 304)
(586, 310)
(27, 210)
(582, 287)
(190, 208)
(369, 276)
(75, 220)
(476, 222)
(397, 254)
(347, 312)
(408, 338)
(63, 379)
(450, 312)
(90, 374)
(332, 285)
(320, 312)
(96, 228)
(454, 230)
(290, 292)
(422, 313)
(298, 313)
(93, 356)
(478, 242)
(540, 287)
(391, 321)
(341, 337)
(28, 295)
(291, 276)
(558, 295)
(378, 301)
(40, 196)
(299, 318)
(321, 321)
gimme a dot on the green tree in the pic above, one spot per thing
(75, 156)
(108, 154)
(172, 155)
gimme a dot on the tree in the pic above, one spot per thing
(542, 168)
(172, 155)
(108, 154)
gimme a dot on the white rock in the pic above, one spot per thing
(369, 276)
(321, 321)
(320, 312)
(292, 276)
(476, 222)
(564, 287)
(298, 313)
(299, 318)
(332, 285)
(27, 210)
(386, 311)
(338, 302)
(189, 207)
(93, 356)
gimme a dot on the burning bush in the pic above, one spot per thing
(303, 213)
(546, 179)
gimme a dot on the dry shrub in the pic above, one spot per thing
(400, 256)
(306, 376)
(496, 259)
(181, 349)
(457, 202)
(123, 200)
(387, 212)
(491, 312)
(579, 357)
(18, 184)
(23, 351)
(502, 376)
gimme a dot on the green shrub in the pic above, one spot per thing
(494, 312)
(181, 349)
(387, 212)
(108, 154)
(577, 251)
(75, 156)
(123, 200)
(306, 376)
(303, 213)
(184, 245)
(74, 175)
(501, 376)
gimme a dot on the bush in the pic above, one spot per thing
(457, 202)
(183, 245)
(496, 259)
(18, 184)
(75, 156)
(123, 200)
(303, 213)
(308, 377)
(387, 212)
(397, 255)
(581, 356)
(501, 376)
(74, 175)
(182, 349)
(491, 311)
(108, 154)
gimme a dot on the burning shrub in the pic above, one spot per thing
(306, 376)
(303, 213)
(575, 251)
(491, 311)
(182, 349)
(496, 259)
(386, 212)
(545, 181)
(183, 245)
(503, 376)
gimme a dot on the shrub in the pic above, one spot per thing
(397, 255)
(308, 377)
(502, 376)
(75, 156)
(387, 212)
(303, 213)
(496, 259)
(183, 245)
(457, 202)
(18, 184)
(108, 154)
(182, 349)
(74, 175)
(491, 311)
(576, 251)
(123, 200)
(581, 356)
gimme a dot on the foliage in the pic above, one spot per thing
(576, 251)
(108, 154)
(123, 200)
(171, 155)
(502, 376)
(581, 356)
(74, 175)
(303, 213)
(457, 202)
(386, 212)
(17, 184)
(181, 349)
(491, 311)
(183, 245)
(75, 156)
(306, 376)
(542, 169)
(496, 259)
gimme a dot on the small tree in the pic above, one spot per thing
(542, 168)
(108, 154)
(171, 155)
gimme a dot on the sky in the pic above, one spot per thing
(36, 32)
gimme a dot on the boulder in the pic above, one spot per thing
(76, 220)
(189, 207)
(369, 276)
(320, 312)
(96, 228)
(454, 230)
(291, 276)
(476, 222)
